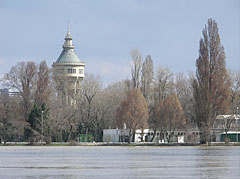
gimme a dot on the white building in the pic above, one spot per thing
(147, 135)
(115, 135)
(230, 123)
(68, 72)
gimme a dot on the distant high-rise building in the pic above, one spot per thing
(68, 72)
(4, 91)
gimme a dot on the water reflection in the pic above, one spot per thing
(119, 162)
(218, 162)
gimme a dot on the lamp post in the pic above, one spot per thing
(42, 128)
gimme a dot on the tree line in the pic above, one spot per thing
(154, 98)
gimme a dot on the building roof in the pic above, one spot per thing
(68, 55)
(232, 116)
(231, 132)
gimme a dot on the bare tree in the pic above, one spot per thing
(136, 67)
(212, 84)
(42, 92)
(163, 83)
(147, 77)
(184, 91)
(133, 112)
(91, 87)
(63, 120)
(235, 91)
(227, 123)
(111, 99)
(21, 79)
(7, 116)
(163, 86)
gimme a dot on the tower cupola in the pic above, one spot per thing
(68, 40)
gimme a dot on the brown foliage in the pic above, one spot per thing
(133, 111)
(169, 115)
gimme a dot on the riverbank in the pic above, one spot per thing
(117, 144)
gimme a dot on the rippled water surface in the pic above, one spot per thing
(119, 162)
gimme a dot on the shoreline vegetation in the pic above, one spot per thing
(119, 144)
(39, 103)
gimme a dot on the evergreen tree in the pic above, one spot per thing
(33, 130)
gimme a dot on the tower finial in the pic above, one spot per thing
(68, 27)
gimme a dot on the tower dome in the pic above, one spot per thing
(68, 55)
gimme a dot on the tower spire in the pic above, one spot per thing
(68, 39)
(68, 27)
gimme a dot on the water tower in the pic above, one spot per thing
(68, 72)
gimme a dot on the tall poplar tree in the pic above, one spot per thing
(147, 77)
(212, 84)
(136, 67)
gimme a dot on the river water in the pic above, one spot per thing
(119, 162)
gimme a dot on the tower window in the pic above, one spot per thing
(60, 71)
(80, 71)
(70, 70)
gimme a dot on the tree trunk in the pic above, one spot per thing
(70, 133)
(129, 136)
(133, 136)
(86, 134)
(226, 139)
(154, 134)
(161, 136)
(142, 134)
(205, 137)
(168, 139)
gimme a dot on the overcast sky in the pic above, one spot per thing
(104, 32)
